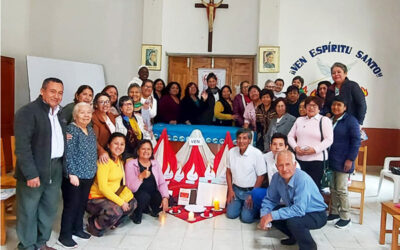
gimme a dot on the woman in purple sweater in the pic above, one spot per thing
(145, 179)
(168, 107)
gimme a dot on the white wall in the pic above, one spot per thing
(96, 31)
(367, 25)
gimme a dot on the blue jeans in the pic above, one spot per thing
(258, 195)
(237, 207)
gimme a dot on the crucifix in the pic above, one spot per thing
(211, 8)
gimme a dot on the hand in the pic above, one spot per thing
(146, 105)
(69, 136)
(74, 180)
(164, 204)
(144, 175)
(249, 202)
(347, 165)
(235, 117)
(309, 151)
(172, 122)
(245, 125)
(188, 122)
(125, 207)
(265, 220)
(204, 95)
(231, 196)
(33, 183)
(104, 157)
(298, 151)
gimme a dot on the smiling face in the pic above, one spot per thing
(147, 88)
(192, 89)
(103, 104)
(322, 90)
(245, 88)
(212, 83)
(226, 94)
(145, 151)
(85, 96)
(266, 100)
(117, 146)
(254, 94)
(135, 94)
(280, 108)
(278, 86)
(159, 86)
(302, 108)
(127, 108)
(297, 83)
(243, 141)
(293, 96)
(338, 108)
(52, 94)
(338, 75)
(278, 144)
(112, 92)
(83, 116)
(174, 90)
(312, 109)
(143, 73)
(284, 164)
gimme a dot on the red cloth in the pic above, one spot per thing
(168, 155)
(195, 159)
(184, 214)
(227, 143)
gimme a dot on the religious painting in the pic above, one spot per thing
(268, 58)
(151, 56)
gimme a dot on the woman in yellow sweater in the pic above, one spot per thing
(223, 109)
(109, 201)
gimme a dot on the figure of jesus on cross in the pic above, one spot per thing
(211, 7)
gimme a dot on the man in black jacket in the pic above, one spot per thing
(40, 142)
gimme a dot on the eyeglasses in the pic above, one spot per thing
(127, 104)
(312, 106)
(103, 102)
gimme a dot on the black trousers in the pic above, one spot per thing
(146, 198)
(299, 228)
(315, 169)
(75, 200)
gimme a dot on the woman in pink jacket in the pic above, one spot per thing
(145, 179)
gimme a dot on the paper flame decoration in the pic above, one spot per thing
(365, 91)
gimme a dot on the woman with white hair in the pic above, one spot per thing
(79, 172)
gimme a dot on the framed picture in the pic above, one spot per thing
(151, 56)
(268, 59)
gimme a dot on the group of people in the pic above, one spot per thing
(99, 151)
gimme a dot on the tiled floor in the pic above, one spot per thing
(222, 233)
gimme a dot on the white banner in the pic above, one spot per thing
(202, 78)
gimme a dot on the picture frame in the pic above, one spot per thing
(269, 59)
(151, 56)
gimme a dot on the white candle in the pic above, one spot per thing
(191, 216)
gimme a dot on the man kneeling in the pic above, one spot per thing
(303, 209)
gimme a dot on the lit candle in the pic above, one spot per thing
(216, 205)
(162, 216)
(191, 216)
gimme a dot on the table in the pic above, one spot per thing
(180, 132)
(395, 233)
(388, 207)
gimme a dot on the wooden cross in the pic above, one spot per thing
(211, 8)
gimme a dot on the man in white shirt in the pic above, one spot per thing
(279, 142)
(245, 171)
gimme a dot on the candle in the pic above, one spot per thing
(191, 216)
(207, 213)
(216, 205)
(162, 216)
(175, 210)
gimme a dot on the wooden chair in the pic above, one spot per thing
(7, 181)
(359, 186)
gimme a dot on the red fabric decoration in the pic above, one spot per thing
(166, 153)
(227, 143)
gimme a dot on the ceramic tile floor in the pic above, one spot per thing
(221, 233)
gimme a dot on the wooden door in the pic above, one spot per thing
(196, 63)
(179, 70)
(242, 70)
(7, 105)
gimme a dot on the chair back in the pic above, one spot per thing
(363, 166)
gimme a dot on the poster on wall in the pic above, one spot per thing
(202, 78)
(268, 59)
(151, 56)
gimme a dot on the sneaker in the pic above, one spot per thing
(67, 243)
(333, 218)
(342, 224)
(288, 241)
(82, 235)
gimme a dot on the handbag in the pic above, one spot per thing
(123, 191)
(327, 175)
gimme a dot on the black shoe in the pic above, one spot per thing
(342, 224)
(67, 243)
(82, 235)
(136, 218)
(332, 218)
(288, 241)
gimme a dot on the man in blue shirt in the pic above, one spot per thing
(304, 208)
